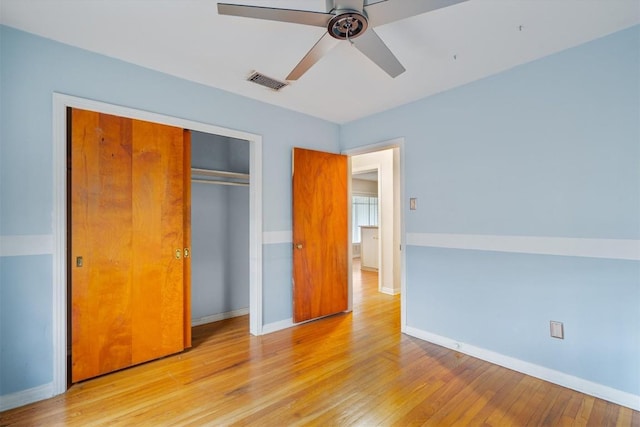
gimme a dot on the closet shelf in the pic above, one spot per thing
(210, 181)
(219, 174)
(222, 177)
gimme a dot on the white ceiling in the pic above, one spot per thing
(440, 50)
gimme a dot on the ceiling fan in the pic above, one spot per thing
(351, 20)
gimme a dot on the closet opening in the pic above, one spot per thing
(219, 227)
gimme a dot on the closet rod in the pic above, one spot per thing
(219, 174)
(206, 181)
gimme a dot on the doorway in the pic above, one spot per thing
(376, 222)
(59, 258)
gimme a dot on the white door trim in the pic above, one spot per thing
(59, 267)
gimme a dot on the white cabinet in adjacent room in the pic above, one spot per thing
(369, 247)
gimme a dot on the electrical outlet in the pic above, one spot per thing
(557, 329)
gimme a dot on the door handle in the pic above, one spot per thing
(299, 246)
(178, 253)
(186, 252)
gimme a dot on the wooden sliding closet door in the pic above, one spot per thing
(128, 201)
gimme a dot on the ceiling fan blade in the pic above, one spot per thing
(388, 11)
(374, 48)
(317, 19)
(322, 46)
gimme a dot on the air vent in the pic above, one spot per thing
(265, 81)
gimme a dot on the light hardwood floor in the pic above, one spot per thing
(349, 369)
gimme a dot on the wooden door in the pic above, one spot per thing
(127, 206)
(320, 234)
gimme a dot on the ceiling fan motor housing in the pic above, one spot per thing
(347, 25)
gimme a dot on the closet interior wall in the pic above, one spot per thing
(220, 230)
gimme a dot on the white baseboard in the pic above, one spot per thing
(390, 291)
(556, 377)
(24, 397)
(219, 316)
(288, 323)
(277, 326)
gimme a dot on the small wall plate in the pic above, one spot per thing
(557, 329)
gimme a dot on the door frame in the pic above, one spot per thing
(372, 148)
(59, 221)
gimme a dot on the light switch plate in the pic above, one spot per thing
(413, 203)
(557, 330)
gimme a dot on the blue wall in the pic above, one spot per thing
(26, 356)
(31, 69)
(550, 148)
(547, 149)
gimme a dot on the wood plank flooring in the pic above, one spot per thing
(346, 370)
